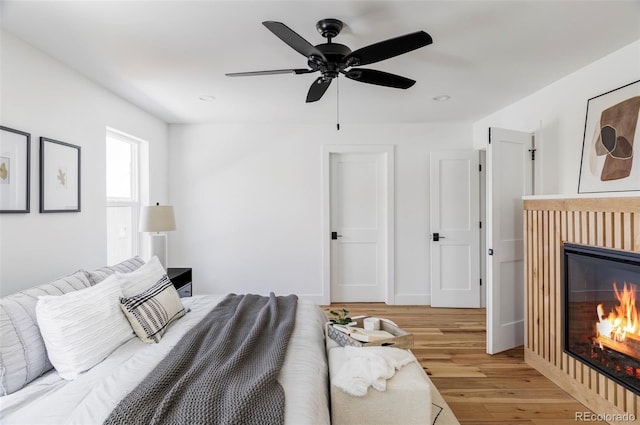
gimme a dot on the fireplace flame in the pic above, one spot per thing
(623, 320)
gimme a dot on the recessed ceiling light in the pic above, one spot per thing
(442, 98)
(207, 98)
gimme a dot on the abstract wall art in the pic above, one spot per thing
(611, 142)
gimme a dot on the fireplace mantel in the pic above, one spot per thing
(603, 221)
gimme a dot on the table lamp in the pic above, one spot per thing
(155, 219)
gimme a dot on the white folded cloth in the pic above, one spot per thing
(369, 366)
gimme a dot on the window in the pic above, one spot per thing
(124, 189)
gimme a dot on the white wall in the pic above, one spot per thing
(248, 203)
(248, 199)
(45, 98)
(557, 113)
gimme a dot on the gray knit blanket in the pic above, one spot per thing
(224, 371)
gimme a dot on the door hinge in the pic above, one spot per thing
(480, 167)
(480, 281)
(490, 251)
(480, 223)
(533, 154)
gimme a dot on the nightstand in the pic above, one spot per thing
(181, 279)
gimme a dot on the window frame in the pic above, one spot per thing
(134, 201)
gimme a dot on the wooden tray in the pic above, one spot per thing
(401, 338)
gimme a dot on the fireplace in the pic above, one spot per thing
(601, 315)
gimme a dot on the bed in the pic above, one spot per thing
(91, 397)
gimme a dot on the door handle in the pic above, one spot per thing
(436, 237)
(335, 235)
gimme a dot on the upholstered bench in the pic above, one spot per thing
(406, 400)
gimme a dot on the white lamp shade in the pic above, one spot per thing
(157, 218)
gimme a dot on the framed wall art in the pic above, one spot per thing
(59, 176)
(611, 143)
(15, 170)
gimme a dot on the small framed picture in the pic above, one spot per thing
(610, 148)
(59, 176)
(15, 170)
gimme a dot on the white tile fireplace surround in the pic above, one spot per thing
(606, 222)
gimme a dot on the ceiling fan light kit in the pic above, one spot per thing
(332, 59)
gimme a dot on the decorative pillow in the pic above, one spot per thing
(151, 312)
(80, 329)
(126, 266)
(142, 279)
(23, 356)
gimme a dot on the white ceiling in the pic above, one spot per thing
(164, 55)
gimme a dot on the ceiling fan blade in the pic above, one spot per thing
(317, 89)
(390, 48)
(271, 72)
(371, 76)
(294, 40)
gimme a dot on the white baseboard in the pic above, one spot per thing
(400, 299)
(412, 299)
(314, 298)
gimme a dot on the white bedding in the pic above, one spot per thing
(91, 397)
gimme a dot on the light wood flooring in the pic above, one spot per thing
(480, 389)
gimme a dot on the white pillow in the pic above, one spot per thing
(142, 279)
(23, 355)
(81, 328)
(126, 266)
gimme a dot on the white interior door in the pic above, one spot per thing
(509, 177)
(455, 229)
(359, 227)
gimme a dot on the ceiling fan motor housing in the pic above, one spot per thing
(334, 63)
(329, 27)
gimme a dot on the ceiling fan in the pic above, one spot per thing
(332, 59)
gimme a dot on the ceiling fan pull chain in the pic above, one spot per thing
(337, 104)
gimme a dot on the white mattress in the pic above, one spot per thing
(90, 398)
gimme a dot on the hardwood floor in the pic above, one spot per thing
(480, 389)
